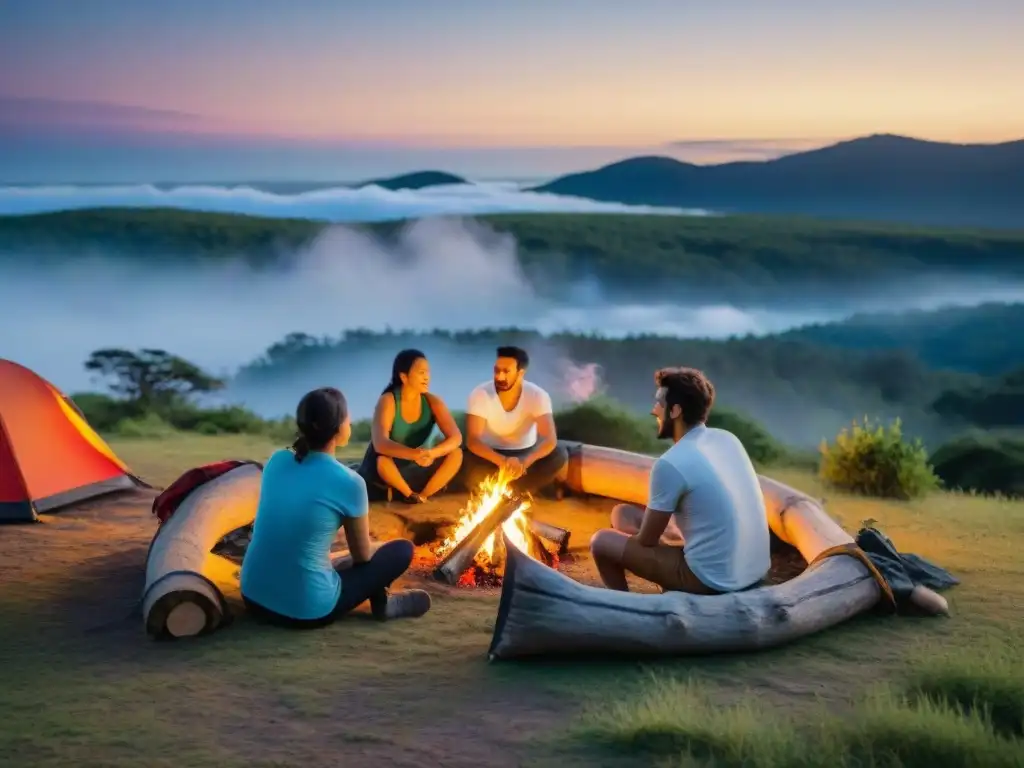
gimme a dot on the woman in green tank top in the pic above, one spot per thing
(398, 459)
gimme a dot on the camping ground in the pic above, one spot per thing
(83, 685)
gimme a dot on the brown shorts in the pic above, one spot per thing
(665, 566)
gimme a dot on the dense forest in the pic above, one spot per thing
(986, 339)
(749, 259)
(799, 390)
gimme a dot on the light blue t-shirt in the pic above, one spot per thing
(708, 483)
(287, 566)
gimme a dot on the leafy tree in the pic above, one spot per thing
(150, 377)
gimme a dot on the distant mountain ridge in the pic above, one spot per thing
(882, 177)
(415, 180)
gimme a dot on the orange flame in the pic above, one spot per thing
(482, 503)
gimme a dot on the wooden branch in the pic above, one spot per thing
(554, 534)
(499, 555)
(461, 557)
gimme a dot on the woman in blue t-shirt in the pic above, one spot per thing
(306, 495)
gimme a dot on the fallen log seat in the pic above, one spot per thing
(185, 581)
(543, 611)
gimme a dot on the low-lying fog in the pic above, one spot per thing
(443, 274)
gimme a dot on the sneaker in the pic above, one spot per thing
(407, 604)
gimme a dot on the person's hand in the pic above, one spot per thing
(424, 457)
(514, 468)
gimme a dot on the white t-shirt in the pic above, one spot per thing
(509, 430)
(708, 482)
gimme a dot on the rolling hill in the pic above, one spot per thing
(417, 180)
(881, 177)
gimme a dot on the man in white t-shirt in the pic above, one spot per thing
(705, 528)
(509, 424)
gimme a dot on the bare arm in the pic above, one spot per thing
(546, 440)
(447, 425)
(357, 534)
(475, 443)
(652, 526)
(383, 420)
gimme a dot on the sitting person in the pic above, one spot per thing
(509, 426)
(305, 497)
(704, 490)
(403, 422)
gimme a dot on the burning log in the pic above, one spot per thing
(498, 554)
(462, 556)
(557, 536)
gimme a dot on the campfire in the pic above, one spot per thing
(473, 554)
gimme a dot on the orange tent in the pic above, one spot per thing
(49, 456)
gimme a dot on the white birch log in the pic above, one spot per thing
(544, 612)
(185, 581)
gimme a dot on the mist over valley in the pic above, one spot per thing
(456, 275)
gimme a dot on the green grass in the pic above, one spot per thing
(675, 721)
(97, 692)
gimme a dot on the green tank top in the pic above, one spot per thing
(415, 434)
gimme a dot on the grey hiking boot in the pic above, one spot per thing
(407, 604)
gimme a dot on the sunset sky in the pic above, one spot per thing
(463, 74)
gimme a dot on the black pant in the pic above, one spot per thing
(359, 583)
(542, 474)
(416, 476)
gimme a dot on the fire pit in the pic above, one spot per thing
(473, 553)
(470, 552)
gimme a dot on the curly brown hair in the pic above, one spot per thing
(688, 388)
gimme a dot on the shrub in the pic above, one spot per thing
(361, 431)
(603, 422)
(212, 421)
(982, 463)
(103, 412)
(124, 418)
(148, 425)
(873, 460)
(762, 447)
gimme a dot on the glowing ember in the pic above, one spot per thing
(488, 563)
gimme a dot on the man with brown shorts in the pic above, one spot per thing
(704, 530)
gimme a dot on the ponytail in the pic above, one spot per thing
(318, 418)
(301, 448)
